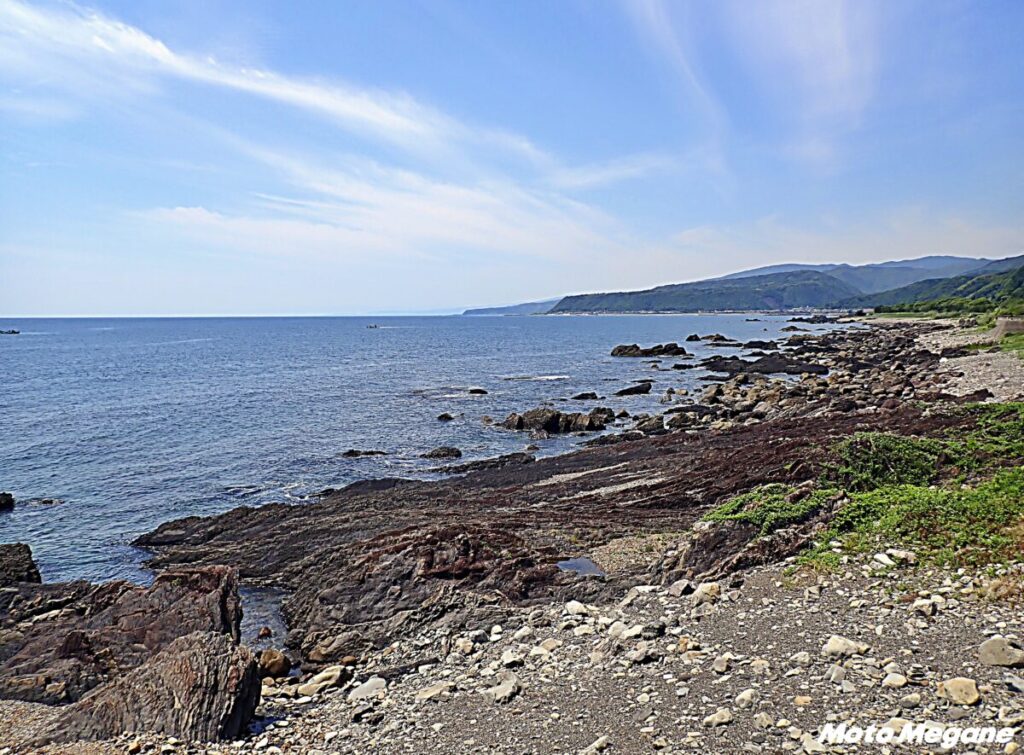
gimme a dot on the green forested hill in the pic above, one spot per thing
(786, 290)
(979, 292)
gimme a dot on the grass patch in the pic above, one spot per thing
(770, 507)
(872, 460)
(995, 440)
(911, 492)
(968, 526)
(1013, 344)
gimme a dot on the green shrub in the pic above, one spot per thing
(769, 507)
(872, 460)
(960, 526)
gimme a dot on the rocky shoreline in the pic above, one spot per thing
(417, 609)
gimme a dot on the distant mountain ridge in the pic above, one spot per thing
(997, 281)
(881, 276)
(785, 287)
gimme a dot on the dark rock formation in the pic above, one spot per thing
(443, 452)
(61, 640)
(766, 365)
(355, 453)
(555, 422)
(445, 417)
(16, 565)
(639, 389)
(201, 687)
(6, 502)
(477, 392)
(650, 425)
(814, 319)
(497, 462)
(661, 350)
(587, 396)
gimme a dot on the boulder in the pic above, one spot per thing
(6, 502)
(651, 425)
(960, 691)
(587, 396)
(201, 687)
(506, 688)
(842, 647)
(16, 565)
(998, 651)
(355, 453)
(274, 663)
(372, 687)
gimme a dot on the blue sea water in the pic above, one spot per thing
(131, 422)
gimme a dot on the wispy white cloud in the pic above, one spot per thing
(51, 42)
(654, 21)
(612, 171)
(817, 62)
(358, 207)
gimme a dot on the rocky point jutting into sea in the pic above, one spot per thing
(716, 576)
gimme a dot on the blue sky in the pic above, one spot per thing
(214, 157)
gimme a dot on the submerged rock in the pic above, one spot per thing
(6, 502)
(639, 389)
(443, 452)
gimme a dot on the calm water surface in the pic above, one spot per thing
(131, 422)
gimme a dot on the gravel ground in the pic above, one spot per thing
(742, 669)
(1001, 373)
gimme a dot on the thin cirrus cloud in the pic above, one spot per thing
(59, 41)
(361, 206)
(816, 61)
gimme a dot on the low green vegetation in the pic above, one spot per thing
(955, 499)
(770, 507)
(872, 460)
(948, 525)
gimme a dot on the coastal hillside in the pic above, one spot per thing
(786, 286)
(788, 290)
(994, 286)
(527, 308)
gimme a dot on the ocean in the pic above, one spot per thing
(126, 423)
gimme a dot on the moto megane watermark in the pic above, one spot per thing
(905, 732)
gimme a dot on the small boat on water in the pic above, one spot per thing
(9, 332)
(373, 327)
